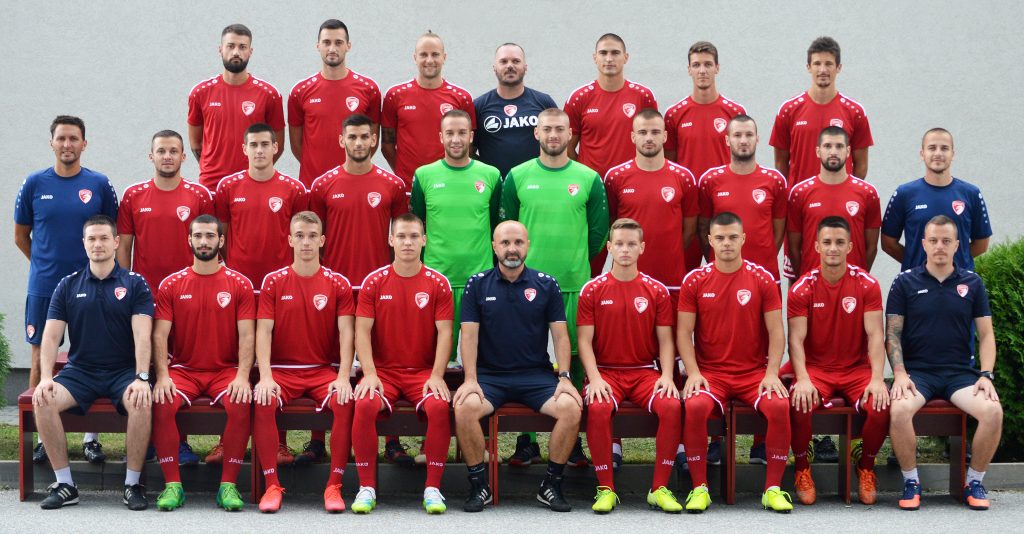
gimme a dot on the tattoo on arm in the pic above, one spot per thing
(389, 135)
(198, 153)
(893, 335)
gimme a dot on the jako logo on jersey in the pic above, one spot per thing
(314, 100)
(494, 123)
(373, 198)
(422, 299)
(145, 210)
(446, 107)
(958, 206)
(479, 186)
(743, 296)
(573, 189)
(248, 107)
(275, 203)
(120, 292)
(319, 301)
(836, 122)
(720, 125)
(223, 299)
(962, 290)
(511, 109)
(85, 195)
(759, 195)
(849, 304)
(852, 207)
(629, 109)
(668, 193)
(530, 294)
(183, 212)
(640, 303)
(351, 103)
(30, 330)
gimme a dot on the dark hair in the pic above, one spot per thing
(407, 217)
(99, 220)
(259, 127)
(625, 224)
(206, 218)
(167, 133)
(702, 47)
(356, 119)
(824, 44)
(332, 24)
(937, 130)
(725, 219)
(70, 120)
(742, 117)
(456, 114)
(943, 220)
(648, 113)
(833, 221)
(833, 130)
(613, 37)
(237, 29)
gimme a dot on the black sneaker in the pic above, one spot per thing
(93, 452)
(616, 462)
(758, 455)
(60, 495)
(526, 452)
(715, 452)
(479, 496)
(135, 497)
(39, 454)
(313, 452)
(825, 451)
(576, 457)
(550, 493)
(395, 453)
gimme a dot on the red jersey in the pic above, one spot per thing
(696, 132)
(305, 311)
(225, 111)
(357, 210)
(603, 121)
(836, 340)
(319, 107)
(757, 198)
(159, 221)
(415, 114)
(404, 310)
(204, 311)
(730, 335)
(659, 201)
(625, 316)
(799, 122)
(260, 214)
(812, 200)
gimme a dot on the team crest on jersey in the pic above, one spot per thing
(720, 124)
(962, 290)
(30, 330)
(223, 299)
(183, 213)
(479, 186)
(84, 195)
(849, 304)
(573, 189)
(275, 204)
(373, 198)
(836, 122)
(668, 193)
(248, 107)
(958, 206)
(759, 195)
(319, 301)
(446, 107)
(852, 207)
(629, 109)
(640, 303)
(743, 296)
(530, 294)
(510, 110)
(120, 292)
(352, 103)
(422, 299)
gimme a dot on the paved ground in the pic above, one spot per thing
(104, 511)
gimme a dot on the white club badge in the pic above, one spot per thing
(640, 303)
(743, 296)
(223, 299)
(422, 299)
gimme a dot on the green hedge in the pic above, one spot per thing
(1002, 269)
(5, 358)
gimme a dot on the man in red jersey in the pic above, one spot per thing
(795, 132)
(625, 325)
(755, 193)
(837, 345)
(833, 192)
(731, 339)
(304, 327)
(319, 103)
(256, 206)
(696, 125)
(411, 116)
(403, 338)
(222, 107)
(212, 313)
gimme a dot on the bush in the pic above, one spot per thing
(1002, 269)
(5, 358)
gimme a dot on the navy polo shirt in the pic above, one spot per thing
(938, 316)
(513, 318)
(504, 132)
(99, 316)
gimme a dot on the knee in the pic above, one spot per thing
(775, 409)
(699, 407)
(667, 408)
(902, 411)
(600, 410)
(435, 408)
(566, 409)
(991, 414)
(367, 408)
(236, 410)
(341, 410)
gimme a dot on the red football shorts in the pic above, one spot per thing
(634, 385)
(313, 382)
(191, 383)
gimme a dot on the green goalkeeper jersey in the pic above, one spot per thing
(566, 213)
(459, 206)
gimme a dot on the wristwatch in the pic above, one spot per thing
(144, 376)
(565, 374)
(988, 374)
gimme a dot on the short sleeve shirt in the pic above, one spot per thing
(812, 200)
(696, 132)
(504, 129)
(799, 122)
(625, 317)
(603, 121)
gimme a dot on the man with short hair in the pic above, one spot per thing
(625, 328)
(211, 312)
(833, 191)
(412, 110)
(222, 107)
(508, 114)
(937, 193)
(108, 312)
(836, 346)
(730, 336)
(507, 313)
(319, 103)
(51, 207)
(305, 325)
(403, 337)
(931, 315)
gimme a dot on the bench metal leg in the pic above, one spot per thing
(958, 461)
(493, 462)
(844, 460)
(729, 479)
(26, 484)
